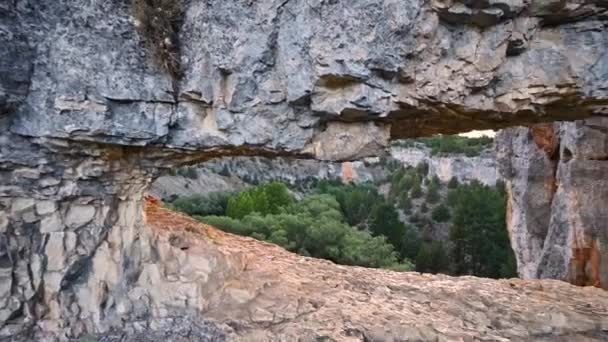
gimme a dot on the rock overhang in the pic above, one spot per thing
(275, 76)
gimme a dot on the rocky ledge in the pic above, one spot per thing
(87, 122)
(249, 290)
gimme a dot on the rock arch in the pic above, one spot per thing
(86, 122)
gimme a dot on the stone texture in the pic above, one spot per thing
(482, 168)
(558, 191)
(87, 121)
(274, 295)
(236, 173)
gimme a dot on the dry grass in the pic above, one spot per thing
(156, 22)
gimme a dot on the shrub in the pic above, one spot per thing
(226, 224)
(453, 183)
(264, 199)
(422, 169)
(432, 258)
(410, 243)
(432, 196)
(157, 21)
(416, 191)
(416, 218)
(441, 213)
(436, 182)
(356, 201)
(406, 206)
(214, 203)
(405, 266)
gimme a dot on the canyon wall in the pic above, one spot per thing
(558, 199)
(87, 120)
(482, 168)
(235, 173)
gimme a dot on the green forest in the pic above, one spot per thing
(451, 228)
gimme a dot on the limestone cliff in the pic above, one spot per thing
(558, 199)
(235, 173)
(87, 121)
(481, 168)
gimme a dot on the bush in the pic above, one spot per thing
(432, 258)
(214, 203)
(156, 21)
(406, 206)
(432, 196)
(264, 199)
(416, 191)
(441, 213)
(226, 224)
(422, 169)
(410, 243)
(453, 183)
(436, 182)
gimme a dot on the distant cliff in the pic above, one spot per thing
(232, 173)
(464, 168)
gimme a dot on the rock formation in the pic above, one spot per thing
(558, 199)
(255, 291)
(87, 121)
(482, 168)
(236, 173)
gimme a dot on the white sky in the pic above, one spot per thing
(476, 134)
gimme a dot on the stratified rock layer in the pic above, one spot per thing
(87, 121)
(558, 199)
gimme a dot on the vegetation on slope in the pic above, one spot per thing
(314, 226)
(450, 144)
(354, 224)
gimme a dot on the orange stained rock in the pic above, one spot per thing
(585, 265)
(347, 172)
(545, 138)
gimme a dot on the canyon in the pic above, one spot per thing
(88, 121)
(235, 173)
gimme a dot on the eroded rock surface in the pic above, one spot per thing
(87, 121)
(254, 291)
(558, 196)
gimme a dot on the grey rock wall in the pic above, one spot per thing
(558, 199)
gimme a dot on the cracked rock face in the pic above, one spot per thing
(558, 191)
(87, 121)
